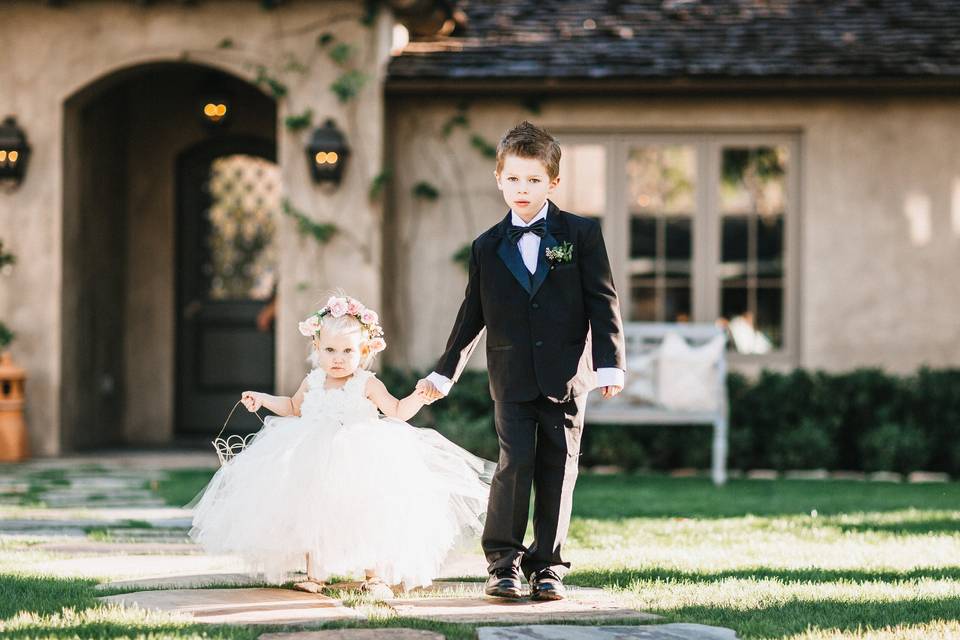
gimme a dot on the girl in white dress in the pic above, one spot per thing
(329, 478)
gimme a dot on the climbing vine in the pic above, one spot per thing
(7, 260)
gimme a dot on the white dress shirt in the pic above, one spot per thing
(529, 246)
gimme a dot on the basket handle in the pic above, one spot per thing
(230, 415)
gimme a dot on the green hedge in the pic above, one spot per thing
(864, 419)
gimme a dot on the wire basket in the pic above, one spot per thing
(231, 446)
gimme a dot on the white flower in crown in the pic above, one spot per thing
(310, 326)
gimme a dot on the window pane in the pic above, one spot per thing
(770, 313)
(643, 300)
(770, 245)
(677, 304)
(583, 180)
(643, 237)
(661, 185)
(753, 192)
(244, 194)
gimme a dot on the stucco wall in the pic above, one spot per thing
(879, 206)
(53, 53)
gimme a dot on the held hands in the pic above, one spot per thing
(428, 392)
(252, 400)
(610, 391)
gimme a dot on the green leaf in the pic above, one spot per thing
(425, 190)
(484, 147)
(341, 52)
(462, 256)
(264, 79)
(321, 232)
(226, 43)
(6, 336)
(6, 258)
(299, 122)
(348, 85)
(370, 8)
(324, 39)
(457, 120)
(379, 182)
(533, 104)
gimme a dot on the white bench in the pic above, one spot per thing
(643, 340)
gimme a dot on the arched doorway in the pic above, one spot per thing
(126, 139)
(228, 202)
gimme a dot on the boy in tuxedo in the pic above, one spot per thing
(540, 285)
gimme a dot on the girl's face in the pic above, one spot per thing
(338, 354)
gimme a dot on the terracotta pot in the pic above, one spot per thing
(13, 429)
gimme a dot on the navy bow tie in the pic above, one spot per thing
(538, 228)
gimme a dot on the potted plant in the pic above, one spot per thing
(13, 429)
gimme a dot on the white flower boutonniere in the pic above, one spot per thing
(561, 254)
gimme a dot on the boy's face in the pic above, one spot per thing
(525, 185)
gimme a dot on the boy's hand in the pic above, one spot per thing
(251, 400)
(428, 391)
(611, 391)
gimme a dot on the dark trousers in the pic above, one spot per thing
(539, 448)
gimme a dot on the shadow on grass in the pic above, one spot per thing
(623, 578)
(797, 616)
(630, 496)
(925, 526)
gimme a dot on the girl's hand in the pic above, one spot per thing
(251, 400)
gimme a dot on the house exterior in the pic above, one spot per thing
(789, 169)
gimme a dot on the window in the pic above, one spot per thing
(699, 228)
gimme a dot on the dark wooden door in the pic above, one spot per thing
(229, 197)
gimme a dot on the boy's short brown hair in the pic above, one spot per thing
(527, 140)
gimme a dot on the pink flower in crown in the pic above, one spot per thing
(305, 329)
(377, 345)
(354, 307)
(337, 306)
(369, 316)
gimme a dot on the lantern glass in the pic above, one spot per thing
(14, 152)
(327, 152)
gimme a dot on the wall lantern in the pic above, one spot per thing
(326, 153)
(14, 152)
(215, 109)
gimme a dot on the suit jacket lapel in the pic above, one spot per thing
(510, 254)
(543, 269)
(555, 228)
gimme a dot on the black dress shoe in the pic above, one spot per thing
(546, 585)
(504, 583)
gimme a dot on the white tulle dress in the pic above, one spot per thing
(354, 490)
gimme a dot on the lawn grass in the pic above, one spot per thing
(817, 560)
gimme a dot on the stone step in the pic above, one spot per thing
(239, 606)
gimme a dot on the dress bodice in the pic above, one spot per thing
(344, 405)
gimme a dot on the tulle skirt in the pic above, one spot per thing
(376, 494)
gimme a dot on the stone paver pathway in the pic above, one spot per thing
(675, 631)
(355, 634)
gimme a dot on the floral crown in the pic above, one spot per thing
(338, 306)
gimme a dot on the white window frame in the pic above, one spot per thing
(704, 281)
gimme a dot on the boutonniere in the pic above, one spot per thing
(561, 254)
